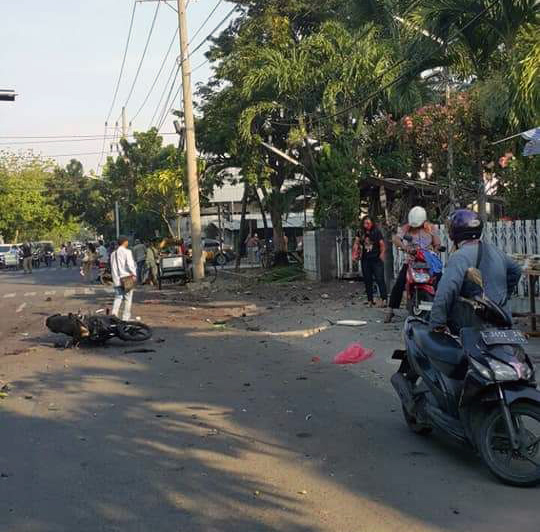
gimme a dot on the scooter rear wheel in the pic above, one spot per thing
(520, 467)
(413, 305)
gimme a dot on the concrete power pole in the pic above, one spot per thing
(191, 150)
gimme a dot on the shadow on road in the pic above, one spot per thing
(225, 431)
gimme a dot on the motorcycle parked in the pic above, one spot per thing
(478, 388)
(421, 284)
(97, 329)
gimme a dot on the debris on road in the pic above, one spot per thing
(351, 323)
(142, 350)
(315, 360)
(353, 354)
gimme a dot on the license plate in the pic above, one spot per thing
(426, 305)
(503, 338)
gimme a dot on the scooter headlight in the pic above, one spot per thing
(483, 370)
(502, 371)
(420, 277)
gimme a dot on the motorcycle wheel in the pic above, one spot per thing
(414, 425)
(220, 260)
(414, 303)
(134, 331)
(517, 468)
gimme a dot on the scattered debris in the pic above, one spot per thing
(353, 354)
(325, 296)
(301, 378)
(304, 435)
(247, 384)
(315, 360)
(302, 492)
(308, 417)
(29, 397)
(48, 299)
(351, 323)
(142, 350)
(159, 340)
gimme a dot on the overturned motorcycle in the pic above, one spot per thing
(97, 329)
(479, 388)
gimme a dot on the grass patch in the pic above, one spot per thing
(283, 274)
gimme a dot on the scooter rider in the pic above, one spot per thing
(424, 236)
(500, 273)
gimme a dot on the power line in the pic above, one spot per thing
(168, 102)
(61, 141)
(205, 22)
(143, 54)
(123, 62)
(396, 80)
(158, 75)
(201, 44)
(174, 72)
(173, 99)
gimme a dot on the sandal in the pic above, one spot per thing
(388, 317)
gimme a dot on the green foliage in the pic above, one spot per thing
(522, 180)
(28, 210)
(338, 196)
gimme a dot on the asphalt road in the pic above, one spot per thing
(236, 421)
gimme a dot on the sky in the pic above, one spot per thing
(63, 58)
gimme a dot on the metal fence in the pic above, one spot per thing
(519, 236)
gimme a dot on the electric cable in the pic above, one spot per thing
(141, 61)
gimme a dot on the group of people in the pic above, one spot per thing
(501, 274)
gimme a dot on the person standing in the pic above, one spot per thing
(423, 236)
(70, 253)
(139, 256)
(252, 246)
(26, 251)
(88, 261)
(151, 264)
(102, 254)
(63, 256)
(124, 275)
(372, 251)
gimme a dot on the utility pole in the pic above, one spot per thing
(124, 124)
(191, 150)
(117, 219)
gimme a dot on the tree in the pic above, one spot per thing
(28, 208)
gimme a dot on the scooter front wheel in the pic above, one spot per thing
(519, 467)
(414, 305)
(414, 425)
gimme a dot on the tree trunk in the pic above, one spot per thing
(263, 215)
(280, 247)
(242, 235)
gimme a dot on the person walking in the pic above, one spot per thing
(372, 252)
(26, 251)
(63, 256)
(124, 275)
(102, 254)
(139, 256)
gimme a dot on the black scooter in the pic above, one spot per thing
(479, 388)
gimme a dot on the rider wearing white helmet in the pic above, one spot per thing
(424, 236)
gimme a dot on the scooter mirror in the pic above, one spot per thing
(474, 275)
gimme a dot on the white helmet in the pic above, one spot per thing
(417, 217)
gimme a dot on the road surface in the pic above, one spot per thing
(236, 421)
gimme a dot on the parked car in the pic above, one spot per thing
(214, 253)
(8, 256)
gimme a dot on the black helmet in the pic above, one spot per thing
(465, 225)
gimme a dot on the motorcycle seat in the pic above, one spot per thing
(445, 352)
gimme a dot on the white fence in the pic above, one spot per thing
(520, 236)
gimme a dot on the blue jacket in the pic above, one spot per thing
(501, 276)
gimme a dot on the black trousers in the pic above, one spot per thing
(399, 286)
(373, 271)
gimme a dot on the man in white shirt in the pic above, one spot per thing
(122, 265)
